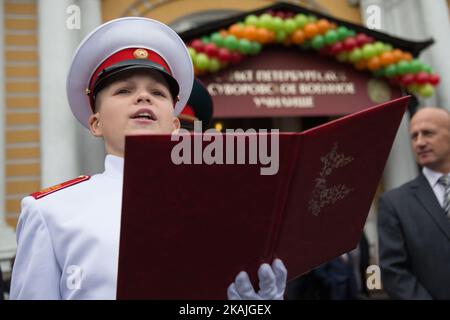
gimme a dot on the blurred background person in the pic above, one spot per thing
(413, 222)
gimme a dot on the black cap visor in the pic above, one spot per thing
(121, 69)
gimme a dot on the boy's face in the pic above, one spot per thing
(138, 104)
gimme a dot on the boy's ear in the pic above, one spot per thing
(95, 126)
(176, 123)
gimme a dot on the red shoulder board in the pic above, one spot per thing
(47, 191)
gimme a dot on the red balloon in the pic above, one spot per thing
(197, 45)
(434, 79)
(407, 79)
(224, 55)
(361, 39)
(235, 57)
(395, 80)
(325, 51)
(289, 14)
(337, 47)
(280, 14)
(350, 43)
(422, 77)
(211, 50)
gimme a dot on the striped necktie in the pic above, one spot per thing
(445, 181)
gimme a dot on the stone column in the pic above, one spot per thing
(67, 149)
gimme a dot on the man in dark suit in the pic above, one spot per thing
(414, 219)
(1, 285)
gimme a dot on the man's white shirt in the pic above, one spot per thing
(438, 189)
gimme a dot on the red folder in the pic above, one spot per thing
(188, 229)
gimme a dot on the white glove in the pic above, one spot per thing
(272, 283)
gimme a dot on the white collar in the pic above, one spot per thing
(432, 176)
(114, 166)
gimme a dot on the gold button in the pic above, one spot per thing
(87, 91)
(140, 54)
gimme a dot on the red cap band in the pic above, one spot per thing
(123, 55)
(188, 110)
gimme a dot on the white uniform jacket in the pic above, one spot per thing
(68, 241)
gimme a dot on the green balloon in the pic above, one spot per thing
(390, 71)
(205, 39)
(387, 47)
(368, 51)
(379, 72)
(202, 61)
(251, 20)
(214, 65)
(413, 88)
(192, 53)
(355, 55)
(331, 37)
(416, 66)
(403, 67)
(379, 47)
(265, 21)
(280, 36)
(312, 18)
(426, 90)
(343, 56)
(301, 20)
(231, 42)
(306, 44)
(342, 32)
(289, 26)
(277, 24)
(256, 47)
(318, 42)
(427, 68)
(244, 46)
(217, 39)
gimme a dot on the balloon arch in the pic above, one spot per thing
(229, 46)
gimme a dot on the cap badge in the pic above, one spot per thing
(140, 54)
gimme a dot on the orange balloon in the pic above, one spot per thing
(311, 30)
(398, 55)
(236, 30)
(407, 56)
(287, 42)
(323, 25)
(374, 63)
(271, 37)
(386, 58)
(361, 64)
(223, 32)
(298, 37)
(250, 32)
(263, 35)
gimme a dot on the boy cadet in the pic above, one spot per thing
(130, 76)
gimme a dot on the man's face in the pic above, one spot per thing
(139, 104)
(430, 138)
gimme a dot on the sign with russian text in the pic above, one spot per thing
(283, 81)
